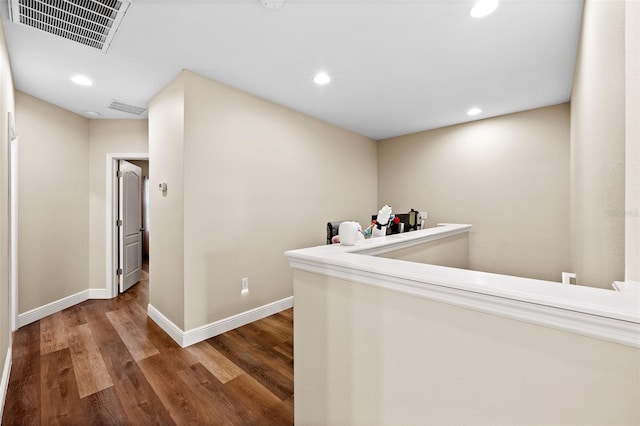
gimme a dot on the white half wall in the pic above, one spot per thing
(369, 355)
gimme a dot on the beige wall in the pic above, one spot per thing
(507, 176)
(452, 252)
(259, 179)
(598, 147)
(53, 190)
(632, 145)
(369, 356)
(62, 189)
(7, 104)
(107, 136)
(166, 210)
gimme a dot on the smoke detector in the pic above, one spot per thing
(93, 23)
(272, 4)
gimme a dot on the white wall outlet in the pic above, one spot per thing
(244, 285)
(568, 278)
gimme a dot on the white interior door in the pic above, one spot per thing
(130, 224)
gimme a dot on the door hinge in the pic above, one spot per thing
(118, 222)
(118, 271)
(119, 174)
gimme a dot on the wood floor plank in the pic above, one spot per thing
(175, 395)
(73, 316)
(161, 340)
(88, 366)
(244, 336)
(286, 314)
(217, 364)
(140, 292)
(167, 346)
(212, 399)
(137, 313)
(137, 343)
(140, 403)
(131, 372)
(26, 341)
(276, 325)
(24, 405)
(101, 328)
(103, 408)
(259, 335)
(289, 403)
(25, 355)
(92, 309)
(285, 348)
(142, 295)
(59, 398)
(255, 365)
(264, 337)
(261, 406)
(52, 335)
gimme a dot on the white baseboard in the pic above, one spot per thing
(166, 324)
(99, 293)
(6, 371)
(53, 307)
(207, 331)
(198, 334)
(183, 338)
(57, 306)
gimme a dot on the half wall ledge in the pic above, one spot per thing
(599, 313)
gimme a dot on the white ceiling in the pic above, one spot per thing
(397, 66)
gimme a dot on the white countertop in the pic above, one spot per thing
(601, 313)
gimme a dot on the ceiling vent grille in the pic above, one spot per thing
(131, 109)
(93, 23)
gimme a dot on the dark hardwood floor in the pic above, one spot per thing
(103, 362)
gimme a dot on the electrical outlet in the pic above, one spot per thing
(568, 278)
(244, 285)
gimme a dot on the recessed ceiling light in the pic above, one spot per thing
(474, 111)
(93, 113)
(321, 78)
(482, 8)
(81, 80)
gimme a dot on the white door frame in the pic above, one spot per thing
(112, 213)
(130, 201)
(13, 237)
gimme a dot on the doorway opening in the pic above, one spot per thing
(127, 220)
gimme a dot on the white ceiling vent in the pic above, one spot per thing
(93, 23)
(131, 109)
(272, 4)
